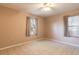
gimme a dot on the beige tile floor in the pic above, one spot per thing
(41, 47)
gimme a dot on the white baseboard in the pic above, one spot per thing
(18, 44)
(14, 45)
(67, 43)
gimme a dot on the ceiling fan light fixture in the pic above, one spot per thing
(47, 7)
(48, 4)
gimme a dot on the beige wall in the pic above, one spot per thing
(13, 27)
(55, 27)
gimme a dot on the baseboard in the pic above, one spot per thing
(19, 44)
(14, 45)
(67, 43)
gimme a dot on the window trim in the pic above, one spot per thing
(28, 26)
(66, 26)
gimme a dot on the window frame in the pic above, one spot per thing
(66, 34)
(28, 26)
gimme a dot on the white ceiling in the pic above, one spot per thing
(34, 8)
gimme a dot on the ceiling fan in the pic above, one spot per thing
(47, 7)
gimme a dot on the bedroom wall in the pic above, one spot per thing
(55, 27)
(13, 27)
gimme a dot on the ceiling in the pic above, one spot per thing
(34, 8)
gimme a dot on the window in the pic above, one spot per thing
(72, 26)
(32, 26)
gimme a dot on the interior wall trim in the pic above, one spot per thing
(18, 44)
